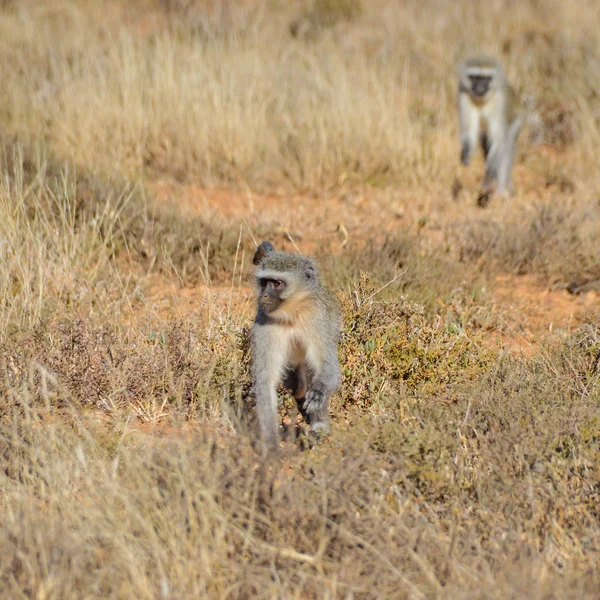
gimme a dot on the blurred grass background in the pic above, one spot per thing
(464, 455)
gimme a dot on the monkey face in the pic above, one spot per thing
(480, 84)
(271, 292)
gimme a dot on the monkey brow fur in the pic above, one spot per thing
(273, 274)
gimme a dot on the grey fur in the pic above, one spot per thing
(262, 251)
(294, 339)
(490, 116)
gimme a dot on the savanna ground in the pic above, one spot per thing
(145, 147)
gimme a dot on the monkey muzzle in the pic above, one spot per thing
(269, 302)
(480, 85)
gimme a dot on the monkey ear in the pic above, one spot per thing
(264, 249)
(310, 272)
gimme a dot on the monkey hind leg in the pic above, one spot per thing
(486, 144)
(504, 175)
(490, 179)
(296, 382)
(488, 189)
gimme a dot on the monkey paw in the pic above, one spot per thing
(318, 430)
(314, 401)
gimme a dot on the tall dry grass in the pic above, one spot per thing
(73, 242)
(492, 494)
(55, 252)
(453, 470)
(235, 100)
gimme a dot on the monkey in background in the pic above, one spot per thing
(490, 115)
(294, 340)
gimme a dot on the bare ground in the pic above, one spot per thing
(530, 310)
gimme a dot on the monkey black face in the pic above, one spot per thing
(480, 84)
(270, 295)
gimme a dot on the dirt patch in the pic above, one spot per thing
(304, 221)
(540, 307)
(170, 300)
(530, 313)
(529, 310)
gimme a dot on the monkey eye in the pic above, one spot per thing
(276, 283)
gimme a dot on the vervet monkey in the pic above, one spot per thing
(491, 115)
(294, 339)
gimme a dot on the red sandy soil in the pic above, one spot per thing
(528, 308)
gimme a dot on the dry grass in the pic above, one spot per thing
(196, 94)
(492, 493)
(456, 468)
(217, 103)
(557, 240)
(71, 240)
